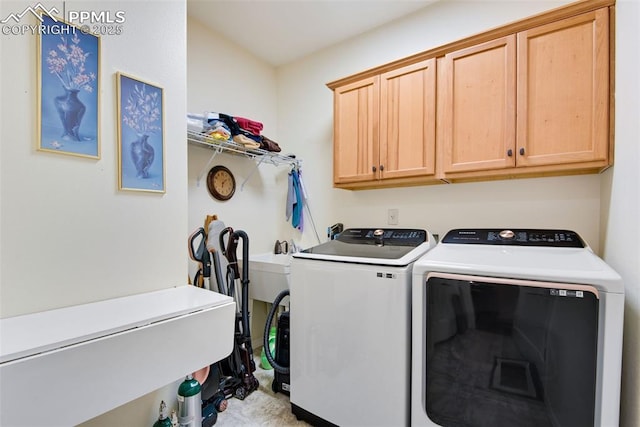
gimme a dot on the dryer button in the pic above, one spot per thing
(507, 234)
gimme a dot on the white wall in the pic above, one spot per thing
(621, 200)
(68, 235)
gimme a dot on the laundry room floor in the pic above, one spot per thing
(263, 407)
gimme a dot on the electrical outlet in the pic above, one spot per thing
(392, 217)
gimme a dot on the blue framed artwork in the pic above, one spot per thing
(68, 89)
(140, 135)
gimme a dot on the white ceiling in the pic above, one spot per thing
(281, 31)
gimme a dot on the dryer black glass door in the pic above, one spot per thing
(509, 354)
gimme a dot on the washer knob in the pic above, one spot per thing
(377, 237)
(507, 234)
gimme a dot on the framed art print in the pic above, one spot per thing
(140, 135)
(68, 89)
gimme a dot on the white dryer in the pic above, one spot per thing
(350, 351)
(515, 328)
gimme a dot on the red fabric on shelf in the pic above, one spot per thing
(250, 125)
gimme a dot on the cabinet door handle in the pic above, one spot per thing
(522, 151)
(381, 168)
(509, 152)
(373, 168)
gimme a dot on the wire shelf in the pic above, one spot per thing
(259, 155)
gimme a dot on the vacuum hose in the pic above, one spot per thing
(267, 327)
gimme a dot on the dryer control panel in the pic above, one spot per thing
(516, 237)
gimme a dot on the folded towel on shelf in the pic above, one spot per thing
(198, 122)
(269, 145)
(195, 122)
(245, 142)
(217, 129)
(249, 135)
(250, 125)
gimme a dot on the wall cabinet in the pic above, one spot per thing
(477, 111)
(384, 128)
(355, 127)
(528, 99)
(532, 102)
(563, 91)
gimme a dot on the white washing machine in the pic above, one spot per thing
(350, 348)
(515, 328)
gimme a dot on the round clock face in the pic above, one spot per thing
(221, 183)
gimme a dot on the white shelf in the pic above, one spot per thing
(259, 155)
(123, 348)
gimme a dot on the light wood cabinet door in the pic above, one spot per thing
(563, 91)
(478, 101)
(408, 121)
(355, 139)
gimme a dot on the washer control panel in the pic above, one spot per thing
(388, 236)
(517, 237)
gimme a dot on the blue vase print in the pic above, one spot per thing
(142, 155)
(70, 109)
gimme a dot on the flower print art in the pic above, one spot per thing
(68, 89)
(68, 61)
(140, 135)
(142, 109)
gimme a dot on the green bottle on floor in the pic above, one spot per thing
(264, 363)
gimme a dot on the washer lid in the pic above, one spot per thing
(397, 246)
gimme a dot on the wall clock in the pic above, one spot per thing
(221, 183)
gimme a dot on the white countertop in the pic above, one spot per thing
(26, 335)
